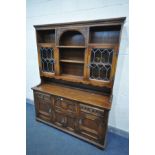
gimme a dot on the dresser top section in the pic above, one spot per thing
(112, 21)
(93, 99)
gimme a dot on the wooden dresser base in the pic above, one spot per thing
(83, 120)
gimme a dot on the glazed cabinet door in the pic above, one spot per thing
(43, 106)
(47, 59)
(46, 51)
(101, 64)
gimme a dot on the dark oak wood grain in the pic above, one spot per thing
(77, 118)
(76, 94)
(77, 64)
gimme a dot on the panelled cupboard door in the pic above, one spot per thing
(65, 113)
(47, 59)
(101, 63)
(43, 103)
(92, 123)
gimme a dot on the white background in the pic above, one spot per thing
(58, 11)
(13, 77)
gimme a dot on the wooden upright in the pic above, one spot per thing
(77, 64)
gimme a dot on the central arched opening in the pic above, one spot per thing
(72, 38)
(71, 53)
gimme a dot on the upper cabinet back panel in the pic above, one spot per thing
(46, 36)
(104, 34)
(71, 37)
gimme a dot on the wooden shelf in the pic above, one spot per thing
(71, 46)
(46, 44)
(75, 94)
(100, 44)
(78, 79)
(69, 77)
(101, 63)
(72, 76)
(72, 61)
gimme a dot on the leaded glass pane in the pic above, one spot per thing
(100, 65)
(47, 59)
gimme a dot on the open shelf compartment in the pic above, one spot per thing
(72, 54)
(104, 34)
(75, 69)
(46, 36)
(72, 38)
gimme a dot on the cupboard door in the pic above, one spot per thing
(60, 119)
(43, 105)
(65, 121)
(47, 59)
(65, 112)
(101, 63)
(92, 123)
(71, 123)
(47, 56)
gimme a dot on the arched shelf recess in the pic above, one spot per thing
(72, 38)
(71, 53)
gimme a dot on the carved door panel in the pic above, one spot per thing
(71, 123)
(92, 123)
(65, 113)
(43, 105)
(88, 125)
(66, 106)
(60, 119)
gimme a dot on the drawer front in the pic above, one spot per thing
(64, 105)
(43, 96)
(43, 103)
(91, 110)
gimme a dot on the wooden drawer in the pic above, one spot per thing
(65, 105)
(91, 110)
(43, 96)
